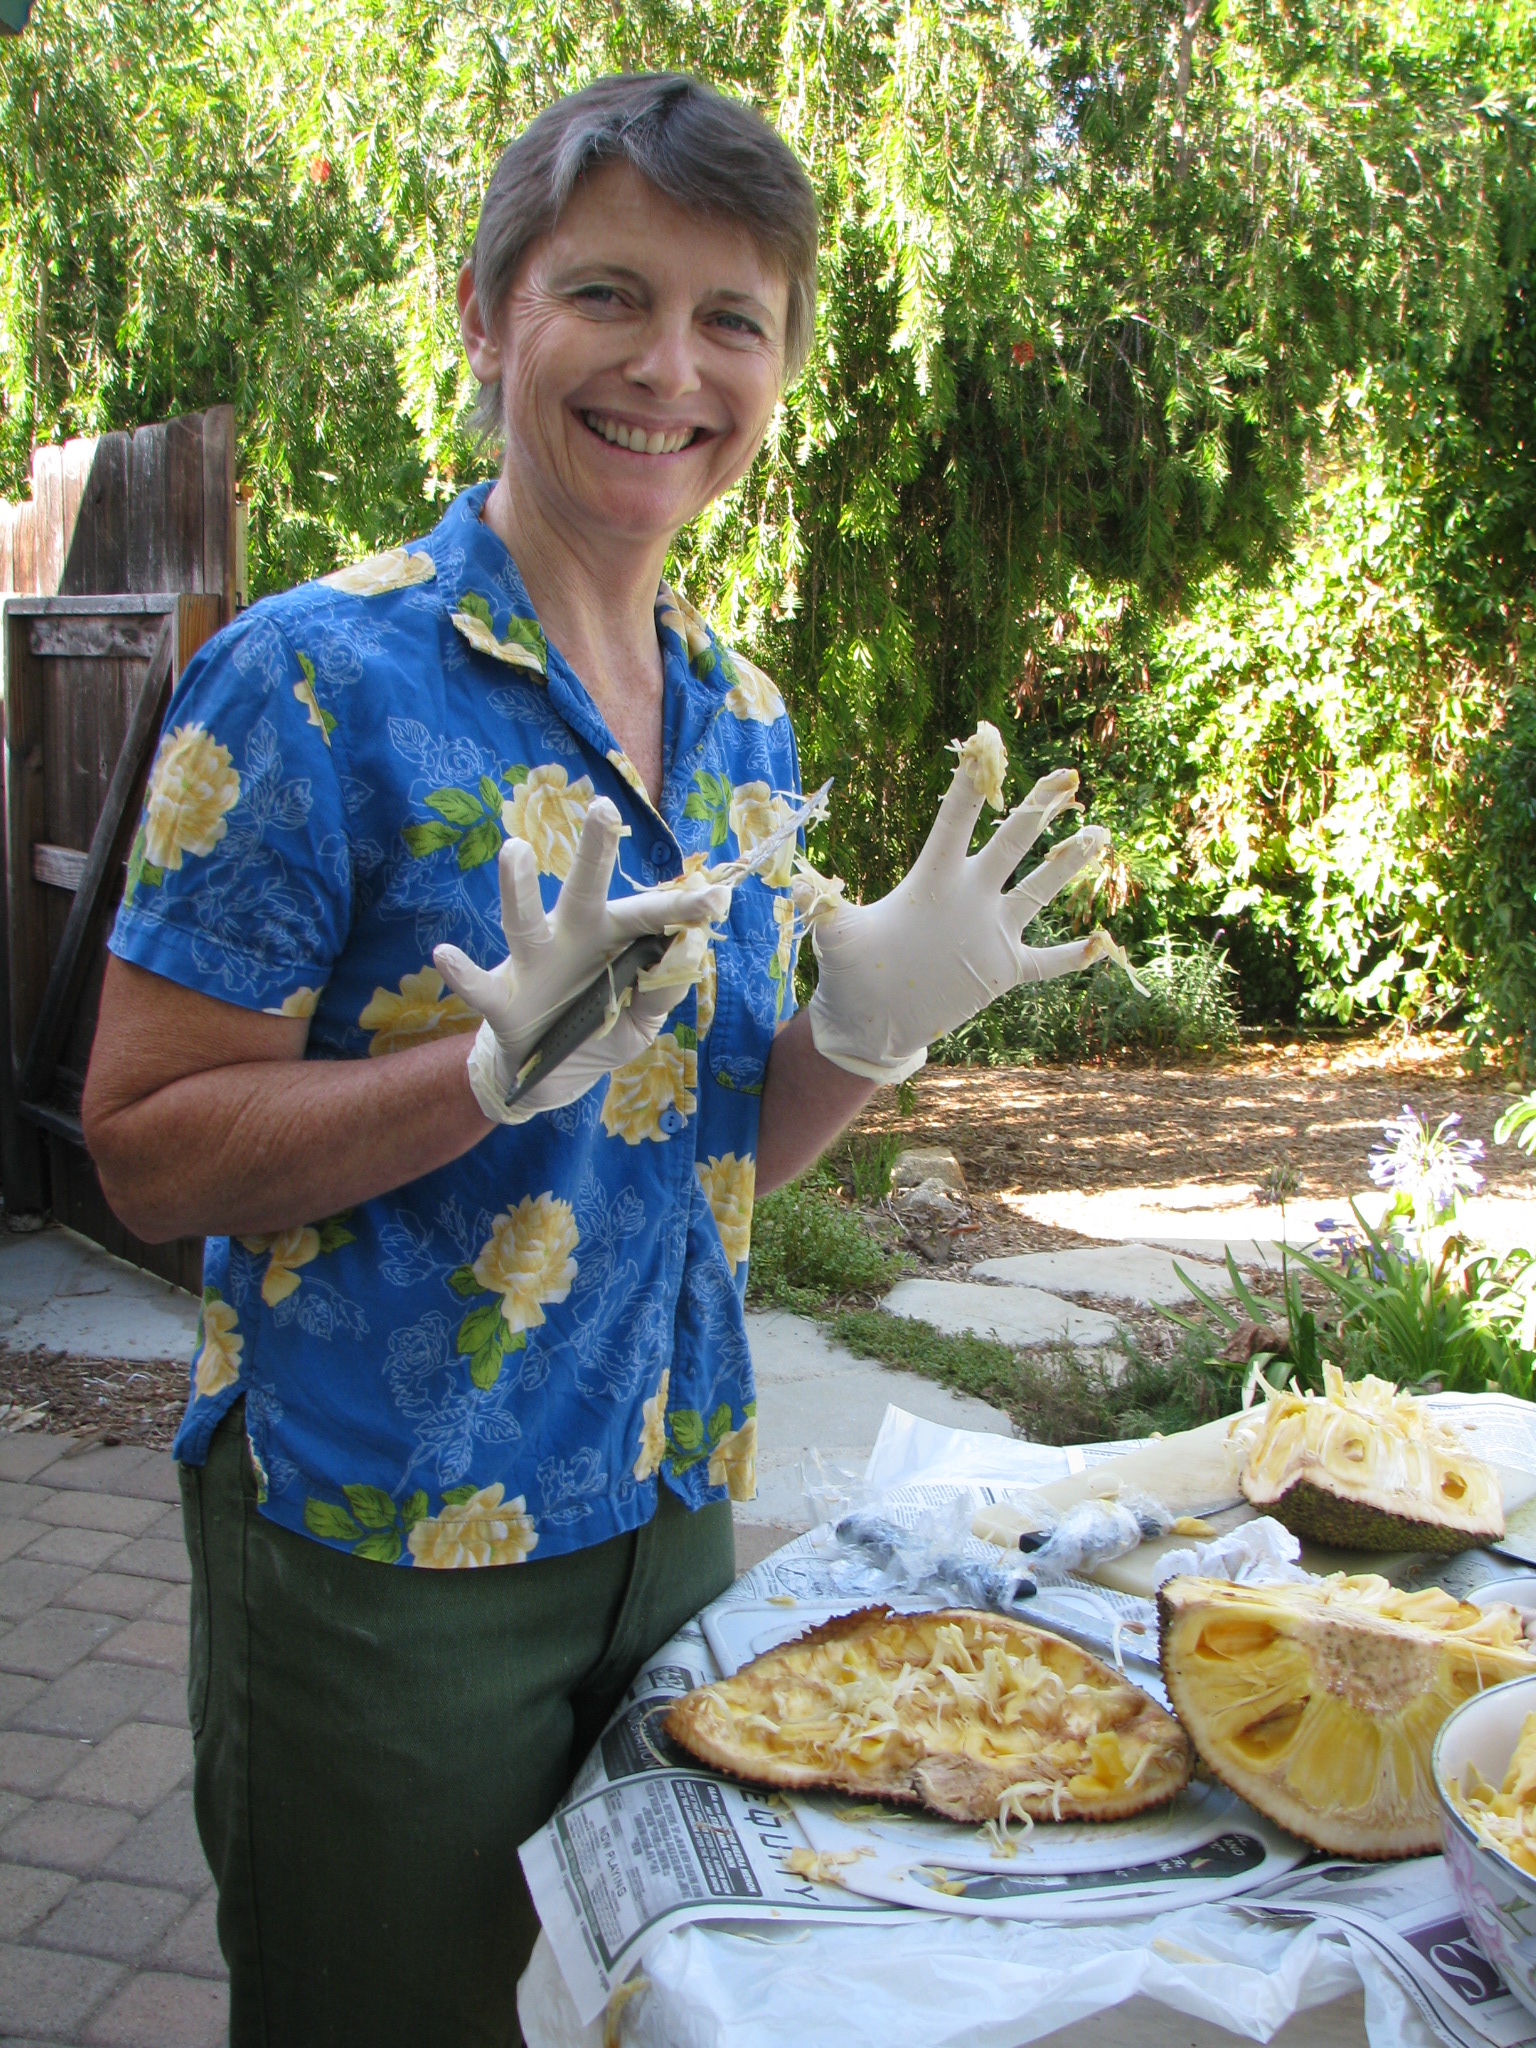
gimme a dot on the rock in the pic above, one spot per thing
(927, 1163)
(928, 1206)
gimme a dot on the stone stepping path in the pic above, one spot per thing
(1126, 1272)
(1013, 1315)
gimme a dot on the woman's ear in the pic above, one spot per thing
(480, 343)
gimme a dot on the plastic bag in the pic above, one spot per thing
(1261, 1553)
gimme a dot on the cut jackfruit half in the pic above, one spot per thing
(1505, 1819)
(1319, 1702)
(976, 1716)
(1364, 1467)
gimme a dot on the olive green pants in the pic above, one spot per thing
(373, 1744)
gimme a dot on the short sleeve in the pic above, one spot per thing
(239, 883)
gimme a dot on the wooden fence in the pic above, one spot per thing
(128, 555)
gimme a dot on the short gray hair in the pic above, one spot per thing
(708, 153)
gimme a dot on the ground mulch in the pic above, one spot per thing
(102, 1400)
(1315, 1106)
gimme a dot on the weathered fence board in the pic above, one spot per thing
(115, 527)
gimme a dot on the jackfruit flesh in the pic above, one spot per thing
(1319, 1702)
(1364, 1467)
(976, 1716)
(1505, 1819)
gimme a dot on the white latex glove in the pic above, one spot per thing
(896, 974)
(552, 958)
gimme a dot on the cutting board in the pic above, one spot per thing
(1195, 1472)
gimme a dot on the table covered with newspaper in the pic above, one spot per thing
(681, 1907)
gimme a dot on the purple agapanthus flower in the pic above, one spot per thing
(1427, 1170)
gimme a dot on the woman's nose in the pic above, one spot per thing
(666, 362)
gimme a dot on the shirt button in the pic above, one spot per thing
(671, 1121)
(661, 852)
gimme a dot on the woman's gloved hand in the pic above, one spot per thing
(896, 974)
(552, 958)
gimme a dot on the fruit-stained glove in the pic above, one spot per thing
(552, 957)
(896, 974)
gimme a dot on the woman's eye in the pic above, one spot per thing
(598, 295)
(738, 323)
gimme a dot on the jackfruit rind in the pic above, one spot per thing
(974, 1715)
(1504, 1819)
(1319, 1702)
(1362, 1466)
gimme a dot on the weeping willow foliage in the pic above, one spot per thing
(1096, 278)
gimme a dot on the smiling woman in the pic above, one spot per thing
(473, 1394)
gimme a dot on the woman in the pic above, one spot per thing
(378, 853)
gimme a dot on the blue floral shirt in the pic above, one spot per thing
(504, 1357)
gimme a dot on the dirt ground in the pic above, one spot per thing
(1315, 1107)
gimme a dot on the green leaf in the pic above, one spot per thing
(414, 1509)
(463, 1282)
(516, 775)
(527, 633)
(479, 1325)
(328, 721)
(697, 807)
(720, 1422)
(748, 1410)
(481, 844)
(686, 1036)
(334, 1234)
(431, 837)
(473, 603)
(719, 830)
(371, 1505)
(150, 875)
(382, 1548)
(324, 1518)
(455, 1496)
(687, 1428)
(309, 669)
(458, 806)
(490, 796)
(485, 1361)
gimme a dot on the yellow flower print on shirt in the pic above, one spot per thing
(191, 786)
(651, 1096)
(301, 1003)
(528, 1261)
(653, 1430)
(394, 569)
(708, 987)
(288, 1249)
(728, 1184)
(755, 696)
(422, 1011)
(547, 810)
(733, 1461)
(755, 814)
(620, 762)
(482, 1530)
(217, 1365)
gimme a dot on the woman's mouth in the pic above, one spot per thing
(636, 439)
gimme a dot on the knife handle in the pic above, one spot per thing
(582, 1018)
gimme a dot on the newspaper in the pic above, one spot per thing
(648, 1850)
(646, 1840)
(1409, 1915)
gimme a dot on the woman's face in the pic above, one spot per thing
(640, 351)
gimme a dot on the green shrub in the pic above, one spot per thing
(808, 1247)
(1190, 1007)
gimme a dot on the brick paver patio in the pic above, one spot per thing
(106, 1903)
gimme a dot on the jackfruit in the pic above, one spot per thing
(1505, 1819)
(975, 1716)
(1319, 1701)
(1364, 1467)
